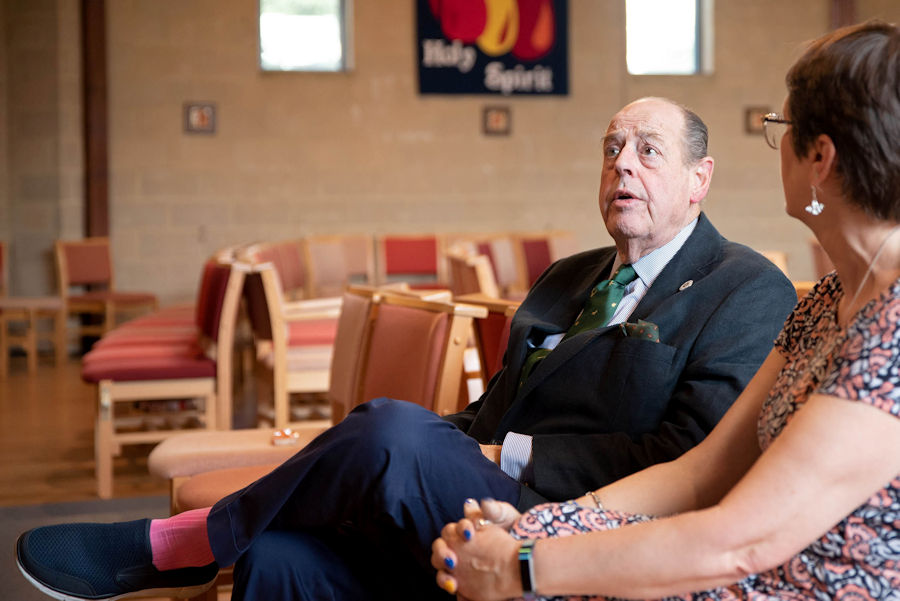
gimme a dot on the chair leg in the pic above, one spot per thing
(31, 340)
(59, 338)
(103, 443)
(109, 317)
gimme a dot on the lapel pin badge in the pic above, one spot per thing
(686, 285)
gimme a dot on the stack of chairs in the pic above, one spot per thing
(293, 327)
(159, 376)
(390, 344)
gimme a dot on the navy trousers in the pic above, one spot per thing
(353, 514)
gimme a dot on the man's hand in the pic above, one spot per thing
(492, 452)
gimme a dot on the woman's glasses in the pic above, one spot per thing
(774, 127)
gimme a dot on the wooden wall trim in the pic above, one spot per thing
(96, 206)
(843, 12)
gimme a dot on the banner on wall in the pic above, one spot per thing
(507, 47)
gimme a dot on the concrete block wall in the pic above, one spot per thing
(300, 153)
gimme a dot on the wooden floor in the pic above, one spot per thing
(47, 439)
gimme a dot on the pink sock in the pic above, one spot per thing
(181, 541)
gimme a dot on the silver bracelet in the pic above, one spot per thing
(596, 499)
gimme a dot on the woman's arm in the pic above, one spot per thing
(828, 460)
(703, 475)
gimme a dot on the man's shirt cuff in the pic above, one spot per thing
(515, 456)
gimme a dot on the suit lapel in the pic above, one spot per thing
(693, 261)
(558, 314)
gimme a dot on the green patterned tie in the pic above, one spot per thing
(598, 310)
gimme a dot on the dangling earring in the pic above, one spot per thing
(814, 207)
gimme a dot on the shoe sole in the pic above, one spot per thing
(184, 592)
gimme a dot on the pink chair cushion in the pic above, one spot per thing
(152, 368)
(142, 351)
(410, 255)
(312, 332)
(405, 354)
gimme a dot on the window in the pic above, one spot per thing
(304, 35)
(668, 37)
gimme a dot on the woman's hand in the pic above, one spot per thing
(477, 559)
(499, 513)
(475, 556)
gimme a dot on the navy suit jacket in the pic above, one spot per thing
(603, 405)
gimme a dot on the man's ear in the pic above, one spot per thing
(701, 175)
(823, 155)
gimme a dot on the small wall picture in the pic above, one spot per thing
(496, 121)
(753, 118)
(199, 117)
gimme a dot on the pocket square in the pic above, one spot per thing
(641, 329)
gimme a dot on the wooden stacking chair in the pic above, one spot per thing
(293, 340)
(536, 251)
(336, 261)
(193, 379)
(471, 273)
(491, 332)
(87, 264)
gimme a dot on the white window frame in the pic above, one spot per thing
(346, 41)
(703, 45)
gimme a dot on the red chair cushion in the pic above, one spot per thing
(153, 368)
(148, 336)
(537, 258)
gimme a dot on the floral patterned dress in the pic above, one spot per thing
(859, 558)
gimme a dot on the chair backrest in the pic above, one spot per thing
(471, 274)
(492, 331)
(333, 262)
(84, 262)
(412, 258)
(218, 302)
(350, 353)
(538, 250)
(416, 351)
(289, 260)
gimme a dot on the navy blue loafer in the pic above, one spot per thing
(74, 562)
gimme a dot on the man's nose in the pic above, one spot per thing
(625, 161)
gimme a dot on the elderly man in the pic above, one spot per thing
(618, 358)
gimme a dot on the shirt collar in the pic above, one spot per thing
(651, 265)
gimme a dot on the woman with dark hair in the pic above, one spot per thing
(796, 493)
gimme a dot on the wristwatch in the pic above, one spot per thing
(526, 569)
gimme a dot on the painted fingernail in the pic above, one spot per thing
(467, 534)
(448, 561)
(471, 501)
(449, 586)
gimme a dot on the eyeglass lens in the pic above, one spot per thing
(774, 132)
